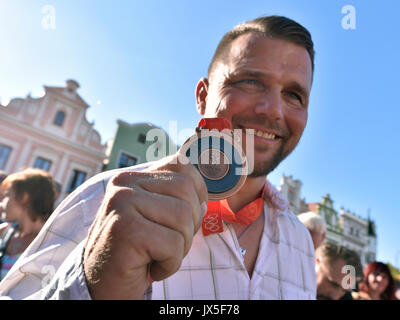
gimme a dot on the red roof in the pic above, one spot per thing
(313, 206)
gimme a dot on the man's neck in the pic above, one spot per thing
(250, 191)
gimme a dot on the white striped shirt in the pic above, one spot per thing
(51, 267)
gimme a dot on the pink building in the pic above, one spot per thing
(51, 133)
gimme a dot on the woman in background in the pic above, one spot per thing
(378, 283)
(26, 201)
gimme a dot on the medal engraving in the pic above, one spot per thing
(218, 157)
(213, 164)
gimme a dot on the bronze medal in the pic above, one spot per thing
(218, 157)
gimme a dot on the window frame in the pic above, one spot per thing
(70, 189)
(5, 147)
(128, 155)
(44, 160)
(55, 121)
(140, 136)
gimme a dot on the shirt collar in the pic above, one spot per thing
(275, 198)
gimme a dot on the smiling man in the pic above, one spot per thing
(136, 231)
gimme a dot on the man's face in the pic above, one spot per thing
(263, 84)
(329, 279)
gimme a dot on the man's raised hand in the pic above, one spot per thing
(144, 228)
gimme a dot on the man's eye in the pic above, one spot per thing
(294, 95)
(250, 82)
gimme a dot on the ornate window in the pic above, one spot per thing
(126, 161)
(78, 177)
(142, 138)
(42, 163)
(328, 217)
(4, 154)
(59, 119)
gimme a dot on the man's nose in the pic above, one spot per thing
(271, 105)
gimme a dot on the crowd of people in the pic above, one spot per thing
(335, 280)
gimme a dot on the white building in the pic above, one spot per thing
(355, 235)
(291, 188)
(345, 228)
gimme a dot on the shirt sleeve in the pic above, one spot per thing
(69, 282)
(52, 267)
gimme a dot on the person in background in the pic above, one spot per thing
(316, 225)
(333, 279)
(378, 283)
(27, 200)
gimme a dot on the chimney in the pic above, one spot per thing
(72, 85)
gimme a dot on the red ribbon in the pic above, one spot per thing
(214, 123)
(218, 211)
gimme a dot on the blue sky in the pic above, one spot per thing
(140, 61)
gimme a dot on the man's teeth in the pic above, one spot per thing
(264, 135)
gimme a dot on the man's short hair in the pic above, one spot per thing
(276, 27)
(312, 221)
(329, 253)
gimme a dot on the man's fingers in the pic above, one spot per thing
(166, 247)
(168, 211)
(179, 163)
(173, 184)
(144, 228)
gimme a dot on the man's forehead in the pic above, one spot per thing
(256, 51)
(335, 268)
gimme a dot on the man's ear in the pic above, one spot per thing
(317, 263)
(201, 95)
(24, 199)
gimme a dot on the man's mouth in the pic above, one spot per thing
(265, 134)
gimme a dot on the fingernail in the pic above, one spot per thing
(204, 208)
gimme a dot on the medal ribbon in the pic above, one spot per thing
(219, 211)
(214, 123)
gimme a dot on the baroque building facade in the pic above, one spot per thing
(53, 134)
(343, 228)
(291, 189)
